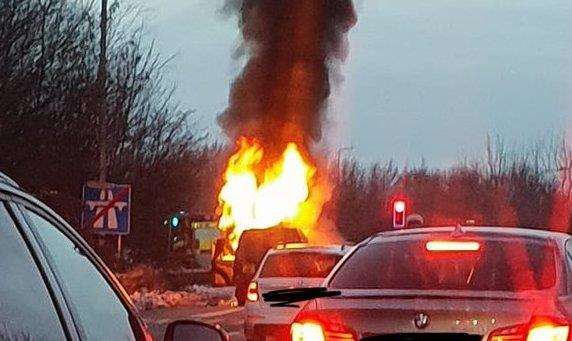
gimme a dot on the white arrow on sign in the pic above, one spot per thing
(105, 198)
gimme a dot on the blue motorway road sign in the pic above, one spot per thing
(106, 208)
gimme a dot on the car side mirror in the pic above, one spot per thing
(186, 330)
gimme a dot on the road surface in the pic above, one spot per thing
(231, 319)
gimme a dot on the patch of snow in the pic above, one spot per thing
(189, 271)
(194, 295)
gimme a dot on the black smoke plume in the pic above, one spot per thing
(291, 48)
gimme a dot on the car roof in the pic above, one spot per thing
(483, 230)
(305, 247)
(9, 186)
(270, 231)
(5, 179)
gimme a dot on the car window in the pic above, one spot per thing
(24, 298)
(499, 265)
(299, 264)
(97, 310)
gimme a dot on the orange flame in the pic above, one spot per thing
(248, 201)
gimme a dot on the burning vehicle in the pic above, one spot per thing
(257, 213)
(276, 181)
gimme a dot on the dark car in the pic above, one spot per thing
(54, 287)
(465, 283)
(252, 247)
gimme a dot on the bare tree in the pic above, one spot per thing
(51, 80)
(563, 161)
(496, 158)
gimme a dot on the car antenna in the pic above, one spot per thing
(458, 231)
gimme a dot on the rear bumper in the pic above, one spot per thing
(264, 332)
(257, 314)
(265, 323)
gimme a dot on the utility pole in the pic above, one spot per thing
(101, 90)
(101, 105)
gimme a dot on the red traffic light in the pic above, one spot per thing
(399, 208)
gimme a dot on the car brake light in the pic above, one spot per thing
(307, 331)
(548, 332)
(449, 245)
(310, 330)
(252, 293)
(539, 329)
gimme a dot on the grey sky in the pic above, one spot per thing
(424, 78)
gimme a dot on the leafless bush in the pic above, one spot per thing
(527, 186)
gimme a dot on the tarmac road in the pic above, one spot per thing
(231, 319)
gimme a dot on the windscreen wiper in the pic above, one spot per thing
(286, 297)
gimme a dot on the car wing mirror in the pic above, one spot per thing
(186, 330)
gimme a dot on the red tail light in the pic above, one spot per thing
(538, 329)
(316, 331)
(312, 327)
(306, 331)
(252, 292)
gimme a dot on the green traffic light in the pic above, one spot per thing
(175, 222)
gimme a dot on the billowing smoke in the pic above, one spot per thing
(291, 47)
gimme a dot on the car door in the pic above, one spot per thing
(99, 310)
(29, 307)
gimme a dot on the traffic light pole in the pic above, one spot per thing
(169, 243)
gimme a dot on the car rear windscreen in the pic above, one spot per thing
(498, 265)
(299, 264)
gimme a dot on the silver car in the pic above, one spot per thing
(285, 266)
(464, 283)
